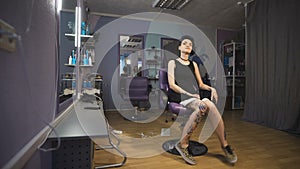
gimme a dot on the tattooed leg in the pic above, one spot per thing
(199, 108)
(216, 120)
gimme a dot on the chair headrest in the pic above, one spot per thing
(163, 79)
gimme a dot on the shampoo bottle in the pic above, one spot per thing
(90, 61)
(70, 60)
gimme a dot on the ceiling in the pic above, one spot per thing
(209, 13)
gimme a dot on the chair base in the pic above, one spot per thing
(195, 148)
(135, 118)
(137, 115)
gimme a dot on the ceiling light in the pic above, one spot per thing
(170, 4)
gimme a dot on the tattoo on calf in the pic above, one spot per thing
(194, 124)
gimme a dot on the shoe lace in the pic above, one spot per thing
(229, 150)
(186, 152)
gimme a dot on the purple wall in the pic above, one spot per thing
(225, 36)
(28, 78)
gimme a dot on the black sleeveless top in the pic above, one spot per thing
(185, 78)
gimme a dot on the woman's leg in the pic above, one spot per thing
(216, 120)
(199, 107)
(193, 120)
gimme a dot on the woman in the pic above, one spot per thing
(185, 80)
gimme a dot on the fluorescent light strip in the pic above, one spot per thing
(79, 27)
(170, 4)
(59, 5)
(76, 27)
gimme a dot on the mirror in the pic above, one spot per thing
(67, 75)
(131, 55)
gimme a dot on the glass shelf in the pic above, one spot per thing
(72, 65)
(86, 65)
(84, 38)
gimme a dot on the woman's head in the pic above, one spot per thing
(186, 44)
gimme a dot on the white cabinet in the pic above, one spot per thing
(233, 55)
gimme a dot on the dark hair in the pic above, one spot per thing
(187, 37)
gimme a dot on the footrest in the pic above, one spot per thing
(195, 148)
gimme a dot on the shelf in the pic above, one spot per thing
(234, 43)
(69, 91)
(86, 65)
(84, 38)
(131, 49)
(70, 65)
(91, 91)
(68, 79)
(233, 57)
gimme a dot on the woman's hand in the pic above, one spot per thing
(196, 96)
(193, 95)
(214, 94)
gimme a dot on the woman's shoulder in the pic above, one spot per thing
(172, 63)
(194, 63)
(195, 66)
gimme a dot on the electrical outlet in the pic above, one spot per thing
(7, 37)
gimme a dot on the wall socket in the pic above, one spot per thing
(7, 37)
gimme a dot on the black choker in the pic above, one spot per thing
(184, 59)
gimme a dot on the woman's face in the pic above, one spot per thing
(186, 46)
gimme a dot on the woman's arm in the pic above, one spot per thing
(171, 80)
(204, 86)
(199, 79)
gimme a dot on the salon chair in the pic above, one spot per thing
(174, 108)
(137, 91)
(195, 148)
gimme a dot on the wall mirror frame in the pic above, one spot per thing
(131, 55)
(131, 58)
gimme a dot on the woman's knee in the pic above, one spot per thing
(200, 106)
(208, 103)
(206, 100)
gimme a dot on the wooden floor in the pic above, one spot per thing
(257, 147)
